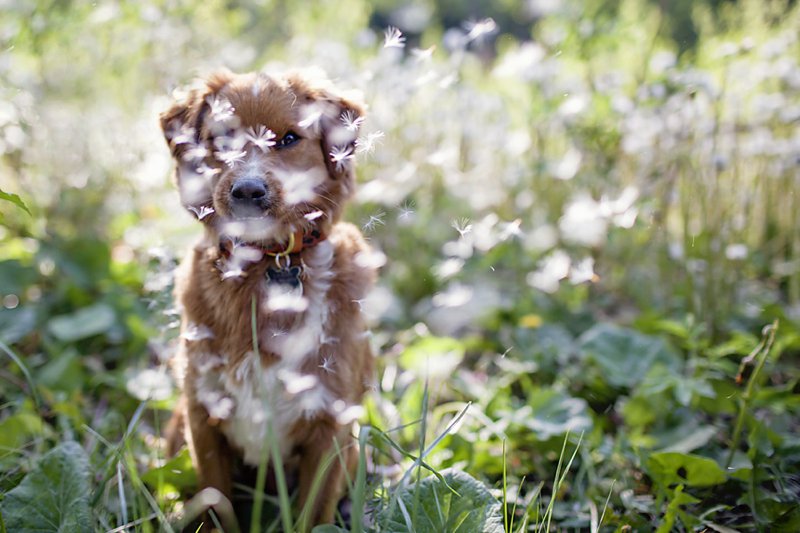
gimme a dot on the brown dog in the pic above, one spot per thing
(273, 347)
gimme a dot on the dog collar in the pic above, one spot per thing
(298, 241)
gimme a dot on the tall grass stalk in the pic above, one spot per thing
(560, 477)
(759, 354)
(37, 402)
(271, 449)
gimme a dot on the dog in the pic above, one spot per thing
(274, 349)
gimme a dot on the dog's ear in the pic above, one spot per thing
(337, 115)
(182, 122)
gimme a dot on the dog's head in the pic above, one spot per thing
(260, 157)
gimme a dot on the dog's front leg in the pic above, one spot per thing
(322, 473)
(211, 458)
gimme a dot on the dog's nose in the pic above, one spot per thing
(249, 190)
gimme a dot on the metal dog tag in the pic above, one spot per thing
(285, 276)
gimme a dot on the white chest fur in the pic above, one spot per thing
(251, 401)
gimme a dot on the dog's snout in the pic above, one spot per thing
(249, 189)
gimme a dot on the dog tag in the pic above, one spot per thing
(285, 276)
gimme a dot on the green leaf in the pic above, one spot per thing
(436, 357)
(17, 429)
(624, 356)
(14, 199)
(434, 508)
(83, 323)
(329, 528)
(54, 496)
(175, 475)
(551, 413)
(692, 470)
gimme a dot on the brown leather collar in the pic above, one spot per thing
(298, 242)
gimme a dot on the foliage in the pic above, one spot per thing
(589, 214)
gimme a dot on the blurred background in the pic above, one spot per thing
(589, 210)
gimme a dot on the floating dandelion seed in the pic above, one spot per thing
(480, 28)
(393, 38)
(367, 144)
(231, 157)
(327, 364)
(374, 221)
(261, 137)
(234, 272)
(197, 332)
(406, 212)
(221, 108)
(197, 152)
(340, 155)
(201, 212)
(351, 120)
(314, 215)
(181, 134)
(207, 172)
(311, 119)
(463, 227)
(423, 55)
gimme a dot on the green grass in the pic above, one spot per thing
(588, 318)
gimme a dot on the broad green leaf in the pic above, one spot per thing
(550, 413)
(433, 508)
(14, 199)
(83, 323)
(678, 500)
(19, 428)
(435, 357)
(15, 324)
(64, 372)
(686, 437)
(54, 496)
(692, 470)
(175, 475)
(624, 356)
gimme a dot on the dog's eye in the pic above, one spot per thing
(288, 139)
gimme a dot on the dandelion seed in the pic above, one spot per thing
(367, 144)
(196, 153)
(393, 38)
(311, 119)
(221, 108)
(233, 273)
(206, 171)
(261, 137)
(423, 55)
(314, 215)
(327, 364)
(463, 227)
(197, 332)
(201, 212)
(479, 29)
(340, 155)
(374, 221)
(181, 134)
(351, 120)
(406, 212)
(231, 157)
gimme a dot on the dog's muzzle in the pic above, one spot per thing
(249, 197)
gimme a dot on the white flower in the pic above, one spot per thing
(262, 137)
(393, 38)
